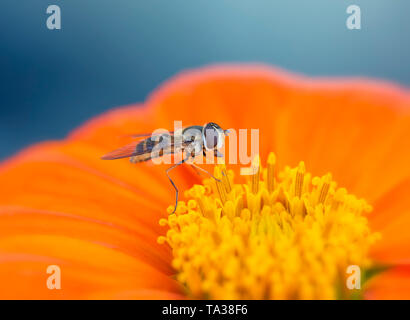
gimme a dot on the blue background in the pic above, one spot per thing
(111, 53)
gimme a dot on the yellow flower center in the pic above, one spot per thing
(285, 236)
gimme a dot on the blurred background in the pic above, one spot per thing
(111, 53)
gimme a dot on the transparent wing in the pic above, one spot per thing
(143, 135)
(143, 148)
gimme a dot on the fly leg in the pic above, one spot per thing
(196, 171)
(203, 170)
(196, 168)
(172, 182)
(218, 154)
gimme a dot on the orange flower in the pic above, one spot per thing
(98, 220)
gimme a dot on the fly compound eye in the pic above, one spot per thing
(213, 136)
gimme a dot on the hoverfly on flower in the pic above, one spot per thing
(190, 141)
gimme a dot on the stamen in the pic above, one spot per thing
(325, 188)
(220, 185)
(283, 199)
(300, 174)
(256, 174)
(271, 172)
(225, 179)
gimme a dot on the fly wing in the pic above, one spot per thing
(143, 135)
(143, 150)
(123, 152)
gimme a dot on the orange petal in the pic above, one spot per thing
(87, 268)
(392, 284)
(238, 97)
(391, 217)
(63, 205)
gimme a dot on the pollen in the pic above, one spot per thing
(278, 235)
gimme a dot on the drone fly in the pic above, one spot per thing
(191, 141)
